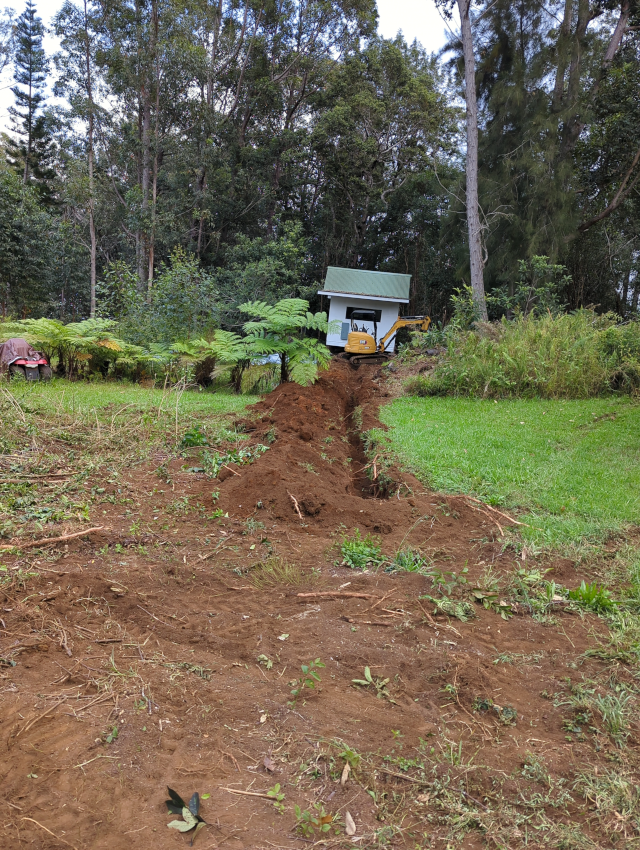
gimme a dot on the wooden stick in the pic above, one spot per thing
(367, 622)
(57, 837)
(506, 516)
(324, 593)
(155, 618)
(47, 540)
(246, 793)
(295, 504)
(33, 722)
(375, 604)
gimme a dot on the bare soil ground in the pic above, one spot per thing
(163, 649)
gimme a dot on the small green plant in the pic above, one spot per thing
(312, 820)
(278, 796)
(593, 597)
(351, 756)
(380, 685)
(309, 679)
(111, 735)
(194, 437)
(359, 553)
(265, 661)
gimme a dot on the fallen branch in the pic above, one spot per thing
(57, 837)
(246, 793)
(325, 593)
(48, 540)
(295, 504)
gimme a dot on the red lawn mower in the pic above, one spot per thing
(21, 360)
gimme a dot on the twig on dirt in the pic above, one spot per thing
(48, 540)
(295, 504)
(85, 763)
(154, 617)
(367, 622)
(506, 516)
(401, 776)
(232, 757)
(35, 720)
(382, 598)
(109, 640)
(57, 837)
(246, 793)
(473, 800)
(324, 593)
(488, 515)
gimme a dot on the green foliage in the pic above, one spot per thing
(378, 684)
(578, 355)
(213, 463)
(310, 678)
(359, 553)
(281, 329)
(310, 821)
(408, 561)
(593, 597)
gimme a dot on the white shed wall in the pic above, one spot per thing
(338, 311)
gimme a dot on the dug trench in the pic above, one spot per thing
(167, 650)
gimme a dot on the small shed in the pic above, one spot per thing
(355, 289)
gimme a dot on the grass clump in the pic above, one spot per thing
(275, 571)
(576, 355)
(358, 553)
(593, 597)
(408, 561)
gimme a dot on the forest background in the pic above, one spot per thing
(198, 155)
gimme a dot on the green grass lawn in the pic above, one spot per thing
(571, 468)
(85, 396)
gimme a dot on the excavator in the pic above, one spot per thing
(361, 347)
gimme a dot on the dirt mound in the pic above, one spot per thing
(316, 463)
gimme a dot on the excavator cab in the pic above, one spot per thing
(360, 341)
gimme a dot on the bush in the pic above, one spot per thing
(577, 355)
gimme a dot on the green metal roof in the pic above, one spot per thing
(359, 282)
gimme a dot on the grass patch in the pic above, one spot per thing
(275, 572)
(572, 467)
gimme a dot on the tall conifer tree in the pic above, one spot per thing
(30, 150)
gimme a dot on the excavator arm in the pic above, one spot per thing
(420, 322)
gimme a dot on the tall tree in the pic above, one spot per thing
(474, 226)
(75, 64)
(31, 151)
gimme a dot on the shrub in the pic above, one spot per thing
(577, 355)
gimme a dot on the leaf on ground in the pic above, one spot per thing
(346, 770)
(269, 763)
(194, 804)
(350, 824)
(176, 800)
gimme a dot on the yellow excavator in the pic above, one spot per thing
(361, 347)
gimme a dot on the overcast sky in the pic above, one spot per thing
(416, 18)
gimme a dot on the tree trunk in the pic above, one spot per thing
(473, 211)
(90, 156)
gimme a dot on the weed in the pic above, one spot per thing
(309, 679)
(356, 417)
(351, 756)
(593, 597)
(615, 795)
(213, 463)
(252, 525)
(194, 437)
(309, 467)
(360, 553)
(265, 661)
(270, 436)
(278, 796)
(461, 610)
(408, 561)
(380, 685)
(310, 821)
(275, 571)
(614, 710)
